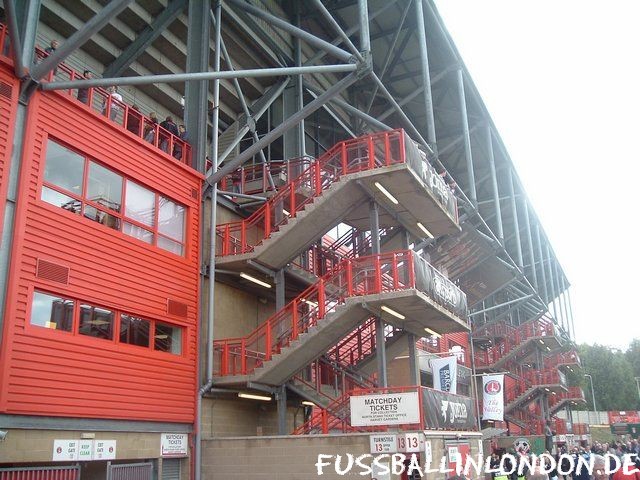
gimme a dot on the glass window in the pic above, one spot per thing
(64, 168)
(134, 330)
(104, 187)
(140, 204)
(170, 245)
(51, 311)
(60, 200)
(96, 322)
(168, 338)
(99, 216)
(138, 232)
(171, 219)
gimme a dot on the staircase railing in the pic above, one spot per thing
(365, 153)
(540, 327)
(352, 277)
(375, 274)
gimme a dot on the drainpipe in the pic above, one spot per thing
(212, 250)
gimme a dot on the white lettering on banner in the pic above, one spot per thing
(174, 445)
(453, 412)
(439, 186)
(65, 450)
(445, 289)
(382, 443)
(384, 409)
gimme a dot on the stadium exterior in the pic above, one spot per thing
(367, 220)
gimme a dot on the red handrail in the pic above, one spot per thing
(351, 156)
(353, 277)
(513, 339)
(101, 101)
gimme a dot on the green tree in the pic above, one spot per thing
(613, 376)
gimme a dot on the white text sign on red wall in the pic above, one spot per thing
(174, 445)
(385, 409)
(83, 450)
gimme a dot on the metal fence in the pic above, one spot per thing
(130, 471)
(40, 473)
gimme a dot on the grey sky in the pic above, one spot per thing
(561, 79)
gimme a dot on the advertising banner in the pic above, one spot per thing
(443, 410)
(493, 397)
(442, 290)
(385, 409)
(445, 374)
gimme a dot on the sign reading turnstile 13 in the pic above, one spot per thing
(383, 443)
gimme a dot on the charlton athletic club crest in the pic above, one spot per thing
(493, 387)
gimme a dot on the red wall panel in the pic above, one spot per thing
(62, 374)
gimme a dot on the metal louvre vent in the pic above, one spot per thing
(176, 308)
(52, 271)
(170, 469)
(6, 90)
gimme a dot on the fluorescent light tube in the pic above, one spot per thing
(387, 193)
(390, 311)
(424, 229)
(252, 396)
(308, 403)
(433, 332)
(255, 280)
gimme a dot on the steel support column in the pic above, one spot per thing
(145, 38)
(556, 268)
(426, 75)
(14, 35)
(299, 86)
(530, 241)
(467, 140)
(27, 18)
(381, 353)
(281, 397)
(573, 330)
(552, 295)
(494, 184)
(196, 98)
(282, 128)
(516, 225)
(78, 39)
(542, 267)
(280, 289)
(365, 38)
(414, 374)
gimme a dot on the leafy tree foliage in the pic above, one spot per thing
(613, 373)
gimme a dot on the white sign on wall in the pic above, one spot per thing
(104, 450)
(65, 450)
(385, 409)
(174, 445)
(85, 450)
(382, 443)
(428, 456)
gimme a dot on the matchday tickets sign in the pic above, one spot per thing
(385, 409)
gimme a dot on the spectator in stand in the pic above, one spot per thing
(115, 99)
(177, 148)
(53, 46)
(150, 128)
(83, 93)
(133, 120)
(170, 126)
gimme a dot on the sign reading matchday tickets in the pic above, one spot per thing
(385, 409)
